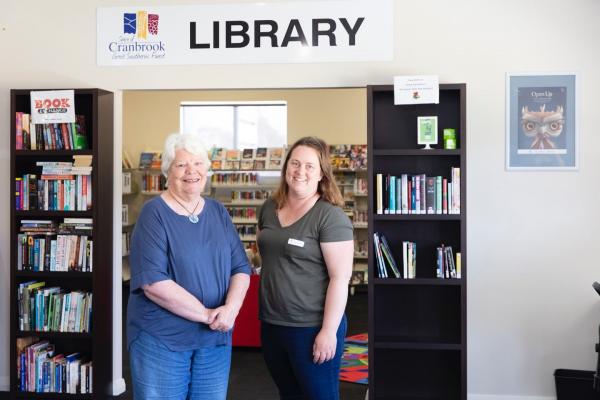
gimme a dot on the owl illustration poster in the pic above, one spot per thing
(541, 121)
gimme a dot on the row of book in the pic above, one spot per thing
(246, 165)
(51, 136)
(348, 156)
(418, 194)
(361, 247)
(153, 182)
(53, 192)
(246, 178)
(246, 231)
(260, 153)
(360, 216)
(40, 370)
(385, 260)
(250, 195)
(244, 213)
(42, 246)
(52, 309)
(125, 243)
(447, 267)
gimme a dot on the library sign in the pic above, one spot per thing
(278, 32)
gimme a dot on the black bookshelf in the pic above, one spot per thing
(417, 327)
(97, 107)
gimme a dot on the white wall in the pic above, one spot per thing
(531, 235)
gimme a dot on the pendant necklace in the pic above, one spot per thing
(191, 216)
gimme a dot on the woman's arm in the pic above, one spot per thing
(338, 258)
(223, 317)
(170, 296)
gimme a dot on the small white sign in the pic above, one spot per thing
(417, 89)
(53, 106)
(296, 242)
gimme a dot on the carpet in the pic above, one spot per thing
(355, 361)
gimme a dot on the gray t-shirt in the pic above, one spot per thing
(294, 276)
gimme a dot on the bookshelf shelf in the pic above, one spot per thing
(426, 340)
(54, 274)
(418, 281)
(28, 395)
(54, 214)
(397, 344)
(55, 335)
(50, 153)
(417, 217)
(416, 152)
(96, 107)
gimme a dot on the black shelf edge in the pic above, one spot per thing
(417, 217)
(52, 274)
(31, 395)
(54, 335)
(417, 152)
(417, 346)
(43, 153)
(54, 214)
(418, 281)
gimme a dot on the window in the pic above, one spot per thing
(236, 125)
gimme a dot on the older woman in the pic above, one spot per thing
(306, 245)
(189, 276)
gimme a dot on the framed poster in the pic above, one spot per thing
(427, 131)
(541, 121)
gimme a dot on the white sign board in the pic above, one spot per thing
(417, 89)
(277, 32)
(53, 106)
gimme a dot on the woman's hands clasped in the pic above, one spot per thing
(222, 318)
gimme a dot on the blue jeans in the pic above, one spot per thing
(288, 354)
(159, 373)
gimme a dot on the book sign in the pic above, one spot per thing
(53, 106)
(416, 89)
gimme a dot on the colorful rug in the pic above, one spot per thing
(355, 361)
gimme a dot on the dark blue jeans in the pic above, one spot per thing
(288, 354)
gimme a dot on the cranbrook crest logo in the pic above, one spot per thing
(140, 30)
(140, 24)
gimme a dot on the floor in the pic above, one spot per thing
(249, 379)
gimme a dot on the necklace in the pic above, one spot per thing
(191, 216)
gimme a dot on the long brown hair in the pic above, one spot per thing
(327, 188)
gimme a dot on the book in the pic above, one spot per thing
(232, 155)
(125, 214)
(126, 160)
(216, 164)
(387, 252)
(274, 164)
(126, 182)
(146, 160)
(261, 153)
(379, 191)
(260, 164)
(247, 165)
(276, 153)
(217, 153)
(248, 154)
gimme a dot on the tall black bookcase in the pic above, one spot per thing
(417, 327)
(96, 106)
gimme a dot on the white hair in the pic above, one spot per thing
(178, 141)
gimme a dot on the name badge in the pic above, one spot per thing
(296, 242)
